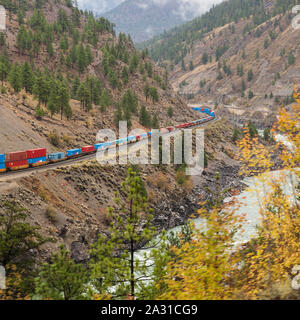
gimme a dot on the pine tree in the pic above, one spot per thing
(124, 269)
(63, 100)
(15, 78)
(125, 75)
(155, 122)
(81, 58)
(105, 99)
(114, 82)
(145, 119)
(170, 112)
(118, 116)
(42, 88)
(250, 75)
(204, 58)
(154, 94)
(75, 86)
(39, 112)
(4, 71)
(62, 278)
(147, 91)
(134, 62)
(28, 78)
(191, 65)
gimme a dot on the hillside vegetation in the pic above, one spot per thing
(53, 55)
(246, 57)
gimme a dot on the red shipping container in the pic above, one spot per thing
(16, 156)
(88, 149)
(16, 164)
(36, 153)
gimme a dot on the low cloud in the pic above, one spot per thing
(99, 6)
(186, 8)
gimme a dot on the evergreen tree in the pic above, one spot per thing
(62, 278)
(250, 94)
(63, 101)
(124, 269)
(204, 58)
(28, 78)
(4, 70)
(15, 78)
(105, 99)
(118, 116)
(75, 86)
(39, 112)
(154, 94)
(170, 112)
(147, 91)
(191, 65)
(125, 75)
(134, 62)
(18, 241)
(155, 122)
(42, 88)
(145, 118)
(250, 75)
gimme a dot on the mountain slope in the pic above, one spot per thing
(249, 64)
(53, 53)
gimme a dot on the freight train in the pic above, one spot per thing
(39, 157)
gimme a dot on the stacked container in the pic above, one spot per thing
(2, 163)
(88, 149)
(54, 157)
(16, 160)
(37, 157)
(73, 153)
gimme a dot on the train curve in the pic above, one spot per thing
(69, 160)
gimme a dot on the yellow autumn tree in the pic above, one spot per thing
(202, 268)
(212, 265)
(270, 257)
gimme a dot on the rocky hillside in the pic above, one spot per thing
(67, 72)
(248, 65)
(70, 203)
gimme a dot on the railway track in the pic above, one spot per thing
(69, 162)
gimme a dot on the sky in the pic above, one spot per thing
(197, 6)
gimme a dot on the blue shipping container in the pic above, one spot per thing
(37, 160)
(2, 158)
(2, 165)
(73, 152)
(56, 156)
(99, 146)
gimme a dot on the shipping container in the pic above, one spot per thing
(2, 165)
(36, 153)
(131, 139)
(37, 160)
(74, 152)
(16, 156)
(15, 165)
(56, 156)
(99, 146)
(2, 158)
(88, 149)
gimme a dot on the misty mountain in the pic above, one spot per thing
(144, 19)
(99, 7)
